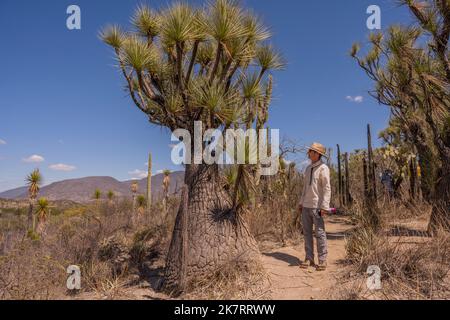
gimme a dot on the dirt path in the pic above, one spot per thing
(289, 282)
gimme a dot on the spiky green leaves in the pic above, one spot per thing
(113, 36)
(184, 62)
(205, 53)
(42, 208)
(147, 22)
(256, 31)
(173, 101)
(251, 89)
(34, 180)
(137, 54)
(268, 58)
(211, 96)
(97, 194)
(224, 21)
(141, 201)
(178, 24)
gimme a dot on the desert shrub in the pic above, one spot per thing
(26, 273)
(409, 269)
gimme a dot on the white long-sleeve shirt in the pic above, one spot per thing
(316, 188)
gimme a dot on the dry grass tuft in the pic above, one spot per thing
(413, 266)
(233, 281)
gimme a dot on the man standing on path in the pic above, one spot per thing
(314, 204)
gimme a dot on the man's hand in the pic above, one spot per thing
(323, 212)
(300, 208)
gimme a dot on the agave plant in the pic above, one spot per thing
(211, 64)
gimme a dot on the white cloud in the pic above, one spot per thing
(356, 99)
(33, 159)
(138, 174)
(2, 141)
(62, 167)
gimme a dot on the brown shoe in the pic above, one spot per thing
(306, 264)
(322, 266)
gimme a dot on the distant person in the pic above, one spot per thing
(387, 179)
(314, 204)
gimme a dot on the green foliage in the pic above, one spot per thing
(411, 71)
(31, 234)
(141, 201)
(147, 22)
(110, 195)
(42, 208)
(34, 181)
(97, 194)
(185, 63)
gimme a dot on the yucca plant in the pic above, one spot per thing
(110, 194)
(42, 213)
(210, 64)
(141, 202)
(97, 197)
(411, 70)
(34, 181)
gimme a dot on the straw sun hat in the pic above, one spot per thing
(319, 148)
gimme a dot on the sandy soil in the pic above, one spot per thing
(289, 282)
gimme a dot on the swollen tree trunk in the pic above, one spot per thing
(208, 233)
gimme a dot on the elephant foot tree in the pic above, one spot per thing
(208, 64)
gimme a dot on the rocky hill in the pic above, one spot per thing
(82, 189)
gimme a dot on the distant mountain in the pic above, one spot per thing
(82, 189)
(16, 193)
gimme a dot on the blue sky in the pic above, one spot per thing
(61, 97)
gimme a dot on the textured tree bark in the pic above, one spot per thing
(207, 234)
(440, 215)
